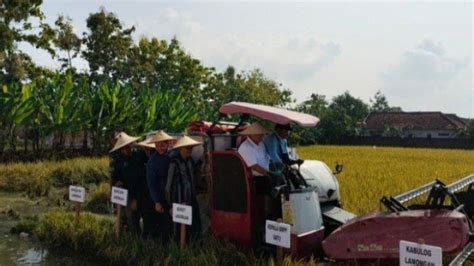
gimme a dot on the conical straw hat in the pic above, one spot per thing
(146, 144)
(160, 136)
(123, 139)
(186, 141)
(255, 129)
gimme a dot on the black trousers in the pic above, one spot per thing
(263, 186)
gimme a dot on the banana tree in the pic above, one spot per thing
(174, 112)
(159, 109)
(58, 103)
(109, 107)
(17, 107)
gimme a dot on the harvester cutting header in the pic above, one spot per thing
(319, 225)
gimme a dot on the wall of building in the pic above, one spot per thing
(435, 134)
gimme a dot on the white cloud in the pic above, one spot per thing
(281, 56)
(427, 77)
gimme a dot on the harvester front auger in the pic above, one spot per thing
(461, 198)
(460, 193)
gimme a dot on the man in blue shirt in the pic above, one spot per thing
(276, 145)
(157, 176)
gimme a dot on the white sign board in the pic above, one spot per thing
(182, 214)
(77, 194)
(278, 234)
(418, 254)
(119, 196)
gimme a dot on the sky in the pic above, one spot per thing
(419, 54)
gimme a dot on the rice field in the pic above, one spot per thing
(369, 173)
(372, 172)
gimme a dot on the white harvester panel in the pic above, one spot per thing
(306, 212)
(318, 174)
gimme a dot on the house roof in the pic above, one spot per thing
(414, 120)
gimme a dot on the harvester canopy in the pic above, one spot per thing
(273, 114)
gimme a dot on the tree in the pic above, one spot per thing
(251, 87)
(59, 108)
(380, 104)
(17, 107)
(142, 61)
(67, 41)
(16, 26)
(354, 108)
(107, 46)
(316, 105)
(468, 130)
(335, 123)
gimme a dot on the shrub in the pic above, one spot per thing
(99, 199)
(37, 178)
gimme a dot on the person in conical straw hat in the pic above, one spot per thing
(147, 147)
(125, 173)
(180, 185)
(146, 206)
(255, 155)
(123, 140)
(157, 175)
(253, 149)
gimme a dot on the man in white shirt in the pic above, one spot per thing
(256, 157)
(253, 150)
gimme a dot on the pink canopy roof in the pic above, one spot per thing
(273, 114)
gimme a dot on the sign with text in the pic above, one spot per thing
(119, 196)
(77, 194)
(419, 254)
(182, 214)
(278, 234)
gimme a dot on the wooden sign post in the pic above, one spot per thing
(119, 197)
(182, 214)
(77, 194)
(278, 234)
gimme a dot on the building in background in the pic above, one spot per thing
(434, 125)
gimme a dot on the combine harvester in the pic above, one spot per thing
(319, 225)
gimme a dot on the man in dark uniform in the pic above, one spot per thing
(125, 167)
(146, 206)
(157, 175)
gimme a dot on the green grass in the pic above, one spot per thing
(94, 236)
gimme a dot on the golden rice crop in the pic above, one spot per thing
(369, 173)
(372, 172)
(37, 178)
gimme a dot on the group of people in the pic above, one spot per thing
(156, 176)
(163, 172)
